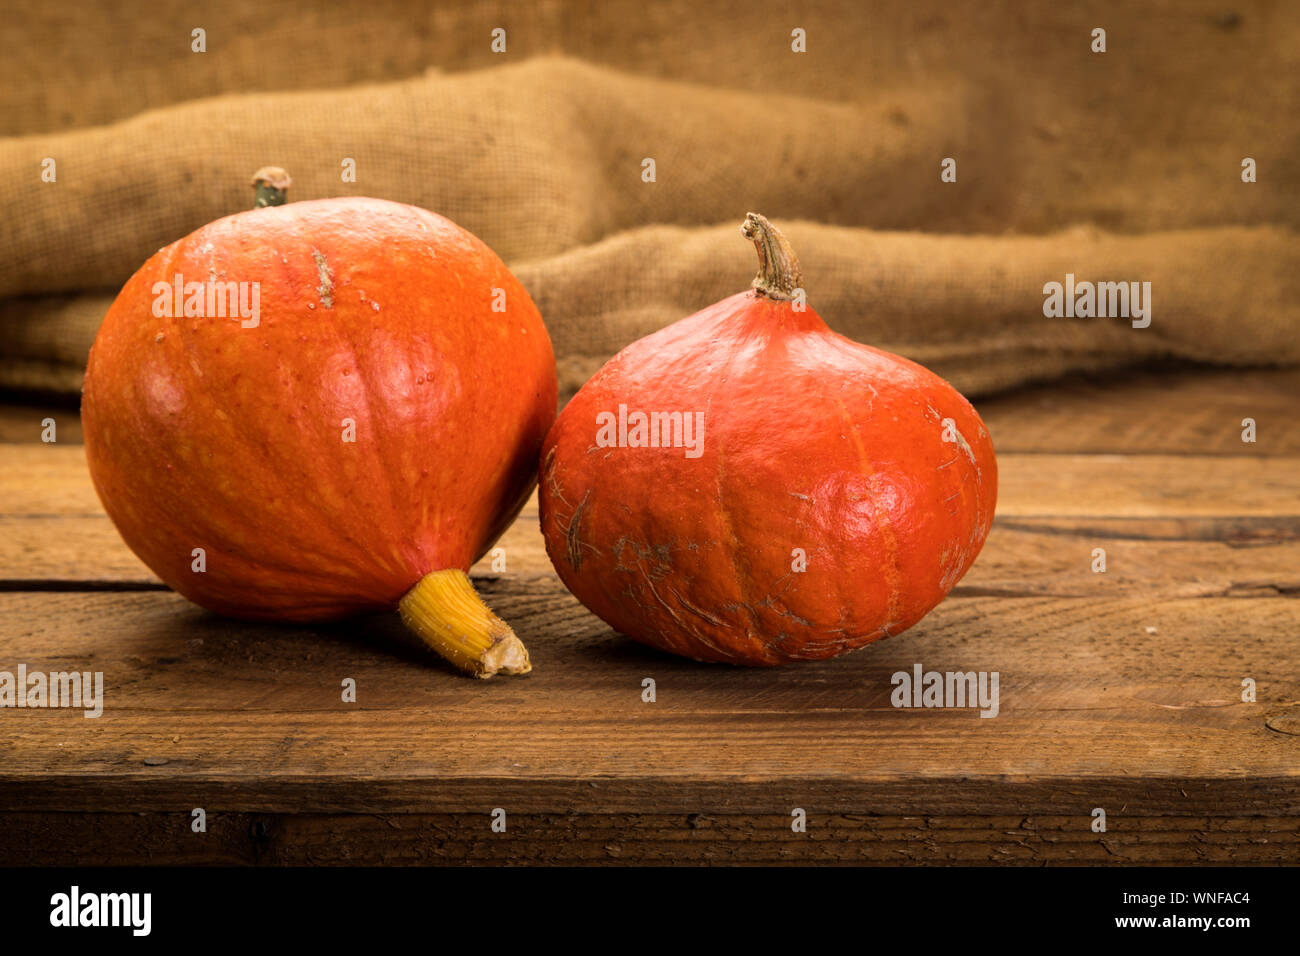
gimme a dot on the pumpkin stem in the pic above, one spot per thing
(270, 186)
(446, 612)
(779, 274)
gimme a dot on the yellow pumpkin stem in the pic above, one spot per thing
(446, 612)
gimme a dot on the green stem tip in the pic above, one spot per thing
(270, 187)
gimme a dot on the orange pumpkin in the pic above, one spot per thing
(747, 486)
(313, 410)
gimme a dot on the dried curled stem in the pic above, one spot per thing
(779, 274)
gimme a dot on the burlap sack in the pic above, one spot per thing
(1201, 63)
(971, 308)
(544, 160)
(534, 158)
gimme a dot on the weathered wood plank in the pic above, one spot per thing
(1095, 710)
(1052, 511)
(24, 422)
(1035, 556)
(1191, 413)
(1120, 690)
(1149, 486)
(41, 479)
(654, 838)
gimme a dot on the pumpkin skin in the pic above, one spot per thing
(811, 441)
(203, 433)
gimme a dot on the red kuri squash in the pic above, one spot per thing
(313, 410)
(748, 486)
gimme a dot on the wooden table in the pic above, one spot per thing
(1119, 690)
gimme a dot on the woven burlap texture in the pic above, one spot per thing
(1115, 166)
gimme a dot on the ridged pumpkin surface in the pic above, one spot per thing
(830, 504)
(203, 433)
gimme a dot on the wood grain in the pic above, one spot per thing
(23, 422)
(1088, 695)
(53, 529)
(1146, 412)
(578, 839)
(1121, 690)
(1024, 556)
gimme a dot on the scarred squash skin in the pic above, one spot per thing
(813, 444)
(203, 433)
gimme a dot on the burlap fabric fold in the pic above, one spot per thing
(1122, 166)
